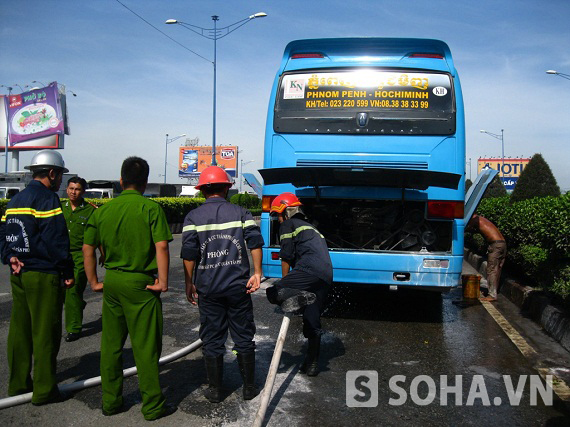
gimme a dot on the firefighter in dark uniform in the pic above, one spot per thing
(133, 233)
(214, 242)
(305, 250)
(76, 212)
(34, 241)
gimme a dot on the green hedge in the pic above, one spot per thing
(175, 208)
(248, 201)
(538, 238)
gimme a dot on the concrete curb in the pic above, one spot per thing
(534, 304)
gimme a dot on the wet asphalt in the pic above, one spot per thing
(408, 337)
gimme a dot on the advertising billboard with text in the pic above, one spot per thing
(509, 172)
(35, 119)
(192, 160)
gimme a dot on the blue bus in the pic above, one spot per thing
(369, 133)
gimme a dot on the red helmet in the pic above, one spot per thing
(213, 175)
(284, 200)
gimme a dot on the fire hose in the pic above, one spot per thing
(266, 392)
(91, 382)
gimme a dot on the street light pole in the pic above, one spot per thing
(215, 18)
(215, 34)
(7, 132)
(502, 139)
(563, 75)
(168, 141)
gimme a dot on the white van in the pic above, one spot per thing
(98, 193)
(188, 191)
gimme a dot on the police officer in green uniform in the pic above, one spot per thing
(133, 233)
(76, 212)
(34, 242)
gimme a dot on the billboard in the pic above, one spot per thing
(52, 141)
(192, 160)
(509, 173)
(35, 119)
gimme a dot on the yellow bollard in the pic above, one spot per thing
(471, 283)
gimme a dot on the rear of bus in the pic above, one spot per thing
(369, 134)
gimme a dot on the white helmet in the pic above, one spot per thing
(47, 159)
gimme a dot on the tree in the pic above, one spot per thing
(536, 180)
(495, 188)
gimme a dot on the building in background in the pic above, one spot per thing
(509, 171)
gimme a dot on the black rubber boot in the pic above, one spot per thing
(215, 373)
(246, 363)
(311, 364)
(297, 300)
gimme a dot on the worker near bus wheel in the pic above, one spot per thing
(496, 252)
(217, 275)
(34, 241)
(133, 233)
(305, 250)
(76, 212)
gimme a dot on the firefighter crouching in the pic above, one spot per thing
(217, 276)
(34, 241)
(305, 250)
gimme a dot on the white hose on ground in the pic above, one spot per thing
(91, 382)
(266, 393)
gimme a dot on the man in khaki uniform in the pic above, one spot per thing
(76, 212)
(133, 233)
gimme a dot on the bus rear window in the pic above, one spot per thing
(373, 102)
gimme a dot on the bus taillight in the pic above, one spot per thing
(266, 203)
(426, 55)
(443, 209)
(307, 55)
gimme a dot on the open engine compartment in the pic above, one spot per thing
(376, 225)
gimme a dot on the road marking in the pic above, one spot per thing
(4, 294)
(558, 385)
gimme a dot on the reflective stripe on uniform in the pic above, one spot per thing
(218, 227)
(33, 212)
(297, 231)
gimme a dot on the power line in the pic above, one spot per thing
(162, 32)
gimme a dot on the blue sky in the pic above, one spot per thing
(134, 85)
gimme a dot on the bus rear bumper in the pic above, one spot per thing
(401, 270)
